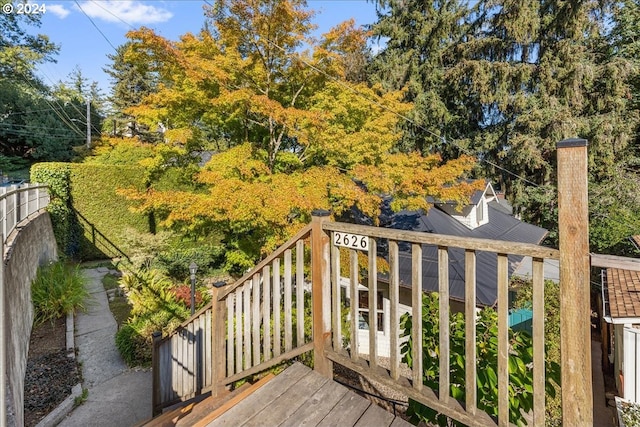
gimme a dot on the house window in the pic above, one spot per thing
(480, 211)
(363, 311)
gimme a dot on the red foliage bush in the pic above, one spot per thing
(183, 295)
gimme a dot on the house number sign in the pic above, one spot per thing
(351, 241)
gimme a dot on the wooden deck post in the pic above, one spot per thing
(575, 309)
(218, 351)
(321, 293)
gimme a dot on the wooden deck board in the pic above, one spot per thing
(302, 397)
(317, 406)
(263, 397)
(288, 402)
(347, 412)
(375, 416)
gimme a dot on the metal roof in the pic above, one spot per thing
(501, 226)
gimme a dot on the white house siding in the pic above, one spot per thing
(629, 360)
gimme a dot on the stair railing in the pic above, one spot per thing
(251, 325)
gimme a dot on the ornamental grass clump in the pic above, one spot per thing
(58, 289)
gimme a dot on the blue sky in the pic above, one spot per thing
(82, 44)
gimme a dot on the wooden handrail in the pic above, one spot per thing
(471, 243)
(613, 261)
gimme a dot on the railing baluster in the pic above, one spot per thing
(300, 293)
(276, 308)
(239, 316)
(246, 293)
(190, 371)
(355, 314)
(470, 330)
(5, 217)
(266, 312)
(416, 311)
(503, 340)
(373, 304)
(394, 301)
(230, 346)
(288, 328)
(16, 209)
(538, 343)
(336, 299)
(443, 291)
(255, 317)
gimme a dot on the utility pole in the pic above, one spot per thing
(88, 124)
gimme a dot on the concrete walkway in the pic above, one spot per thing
(117, 396)
(603, 416)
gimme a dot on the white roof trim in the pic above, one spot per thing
(621, 320)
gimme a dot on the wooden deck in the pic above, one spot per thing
(302, 397)
(296, 397)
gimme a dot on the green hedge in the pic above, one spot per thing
(91, 190)
(94, 196)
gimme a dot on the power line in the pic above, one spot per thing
(68, 123)
(112, 14)
(72, 104)
(23, 112)
(94, 24)
(56, 101)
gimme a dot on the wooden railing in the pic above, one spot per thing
(252, 323)
(412, 386)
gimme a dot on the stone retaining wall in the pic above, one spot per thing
(30, 245)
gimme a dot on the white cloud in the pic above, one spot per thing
(130, 12)
(59, 10)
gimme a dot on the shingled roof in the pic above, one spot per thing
(622, 293)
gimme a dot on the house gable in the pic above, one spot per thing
(476, 213)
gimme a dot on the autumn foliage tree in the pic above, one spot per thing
(291, 125)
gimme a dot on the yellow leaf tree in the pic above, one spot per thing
(300, 130)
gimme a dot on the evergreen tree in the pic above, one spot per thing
(508, 79)
(421, 37)
(131, 82)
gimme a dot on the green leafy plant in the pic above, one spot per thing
(154, 307)
(520, 364)
(176, 260)
(58, 289)
(79, 400)
(630, 413)
(524, 298)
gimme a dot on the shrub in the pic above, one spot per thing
(58, 289)
(132, 345)
(183, 295)
(520, 364)
(175, 261)
(154, 308)
(91, 190)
